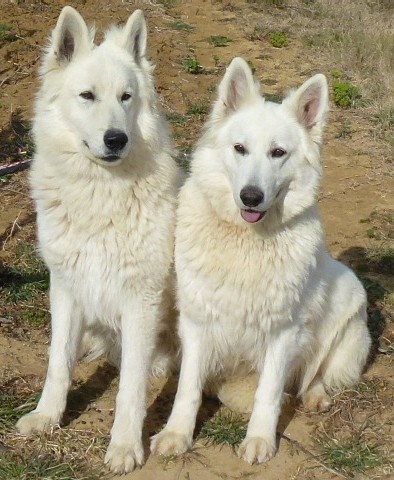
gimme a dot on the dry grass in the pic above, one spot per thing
(355, 37)
(66, 454)
(353, 437)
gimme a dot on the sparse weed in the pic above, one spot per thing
(216, 60)
(273, 97)
(176, 118)
(192, 65)
(197, 109)
(219, 40)
(6, 34)
(374, 289)
(336, 74)
(381, 225)
(279, 39)
(385, 123)
(269, 81)
(17, 142)
(345, 130)
(179, 25)
(256, 34)
(251, 66)
(183, 159)
(273, 3)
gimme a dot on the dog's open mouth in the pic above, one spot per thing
(251, 216)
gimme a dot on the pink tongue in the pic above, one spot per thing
(250, 216)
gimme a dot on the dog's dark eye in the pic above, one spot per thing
(126, 96)
(87, 95)
(278, 152)
(238, 147)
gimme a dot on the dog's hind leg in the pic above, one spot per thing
(348, 355)
(66, 335)
(339, 362)
(316, 399)
(342, 338)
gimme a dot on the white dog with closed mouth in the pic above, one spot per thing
(256, 286)
(105, 188)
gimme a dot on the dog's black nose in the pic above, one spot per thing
(115, 140)
(251, 196)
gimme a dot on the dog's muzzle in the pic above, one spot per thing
(115, 141)
(251, 196)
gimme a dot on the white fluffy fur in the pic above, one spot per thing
(265, 296)
(106, 229)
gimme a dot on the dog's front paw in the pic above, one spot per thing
(170, 443)
(35, 422)
(256, 450)
(124, 458)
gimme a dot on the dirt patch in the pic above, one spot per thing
(356, 204)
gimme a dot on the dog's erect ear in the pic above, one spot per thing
(135, 35)
(70, 37)
(236, 87)
(310, 104)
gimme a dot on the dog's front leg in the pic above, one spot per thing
(177, 435)
(66, 324)
(259, 444)
(138, 330)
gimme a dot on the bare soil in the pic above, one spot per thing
(355, 201)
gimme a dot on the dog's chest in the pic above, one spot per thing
(105, 248)
(238, 279)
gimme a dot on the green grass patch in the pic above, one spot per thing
(27, 278)
(15, 402)
(350, 455)
(25, 283)
(15, 466)
(279, 39)
(224, 429)
(6, 34)
(219, 40)
(345, 95)
(197, 109)
(176, 118)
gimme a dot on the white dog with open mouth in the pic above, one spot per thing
(256, 286)
(105, 188)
